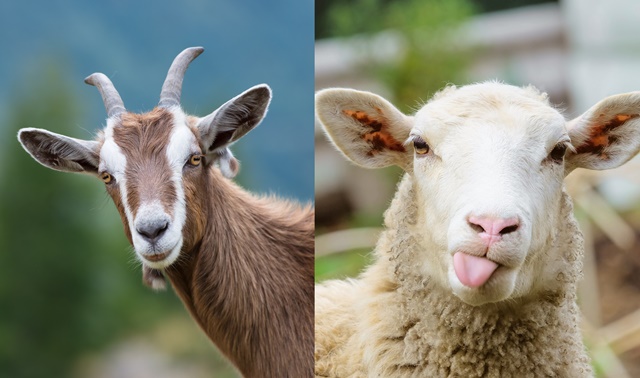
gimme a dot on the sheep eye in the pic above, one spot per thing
(420, 146)
(106, 177)
(557, 154)
(195, 160)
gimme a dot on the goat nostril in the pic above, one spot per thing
(152, 230)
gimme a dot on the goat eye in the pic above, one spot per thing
(107, 178)
(557, 154)
(195, 160)
(420, 146)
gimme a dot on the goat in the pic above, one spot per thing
(475, 274)
(242, 265)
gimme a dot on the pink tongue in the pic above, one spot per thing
(473, 271)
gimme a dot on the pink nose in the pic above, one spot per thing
(491, 229)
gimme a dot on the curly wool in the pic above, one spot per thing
(395, 322)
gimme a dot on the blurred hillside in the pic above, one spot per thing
(72, 303)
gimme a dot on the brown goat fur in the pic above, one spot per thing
(255, 255)
(245, 272)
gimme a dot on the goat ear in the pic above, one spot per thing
(60, 152)
(231, 122)
(607, 135)
(365, 127)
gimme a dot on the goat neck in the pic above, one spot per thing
(236, 279)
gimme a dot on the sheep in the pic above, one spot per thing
(242, 265)
(475, 273)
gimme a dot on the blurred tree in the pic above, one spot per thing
(432, 58)
(42, 276)
(497, 5)
(325, 28)
(63, 290)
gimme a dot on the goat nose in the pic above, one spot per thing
(152, 230)
(493, 226)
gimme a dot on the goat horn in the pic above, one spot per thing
(112, 100)
(172, 87)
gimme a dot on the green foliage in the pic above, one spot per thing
(67, 284)
(363, 17)
(497, 5)
(370, 16)
(342, 265)
(433, 56)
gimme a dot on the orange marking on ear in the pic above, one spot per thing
(378, 136)
(600, 138)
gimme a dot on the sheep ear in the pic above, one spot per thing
(231, 122)
(60, 152)
(365, 127)
(607, 135)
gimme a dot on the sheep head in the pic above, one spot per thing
(487, 163)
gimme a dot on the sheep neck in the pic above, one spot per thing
(249, 281)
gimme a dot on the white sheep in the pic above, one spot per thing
(475, 274)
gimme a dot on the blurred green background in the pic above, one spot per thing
(71, 299)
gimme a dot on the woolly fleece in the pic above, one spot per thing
(394, 322)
